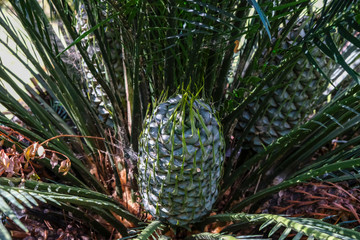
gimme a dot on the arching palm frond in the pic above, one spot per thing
(29, 193)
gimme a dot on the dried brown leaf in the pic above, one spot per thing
(54, 160)
(65, 166)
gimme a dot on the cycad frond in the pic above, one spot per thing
(346, 27)
(312, 228)
(29, 193)
(150, 230)
(218, 236)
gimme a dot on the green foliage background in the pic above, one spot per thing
(166, 45)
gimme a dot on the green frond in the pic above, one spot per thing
(5, 209)
(29, 193)
(323, 33)
(218, 236)
(212, 236)
(4, 234)
(312, 228)
(149, 230)
(263, 17)
(340, 176)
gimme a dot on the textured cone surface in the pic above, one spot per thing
(288, 106)
(180, 160)
(94, 91)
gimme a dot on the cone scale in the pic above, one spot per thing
(180, 160)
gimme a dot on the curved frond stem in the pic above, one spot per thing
(150, 229)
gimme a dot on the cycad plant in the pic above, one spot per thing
(173, 160)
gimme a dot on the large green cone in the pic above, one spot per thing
(94, 91)
(290, 105)
(180, 160)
